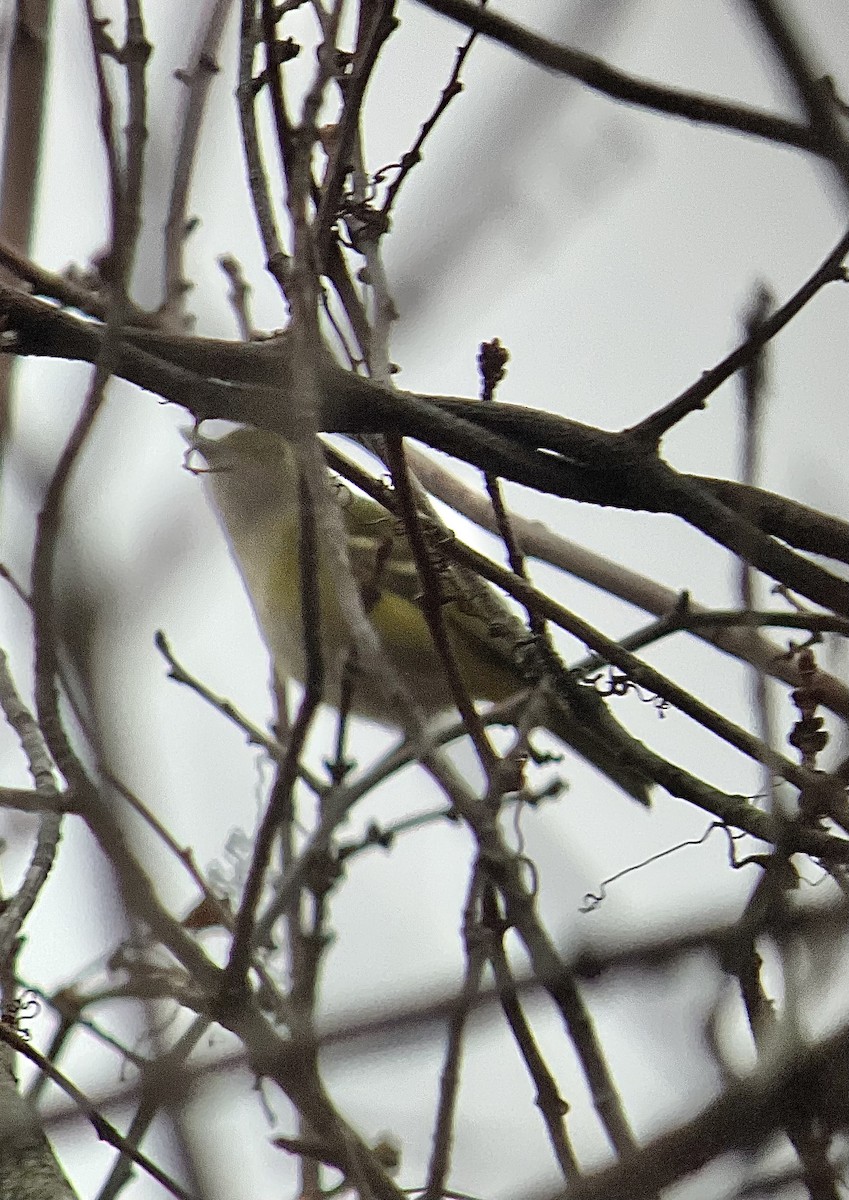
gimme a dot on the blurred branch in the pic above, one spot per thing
(157, 1079)
(724, 1123)
(197, 78)
(601, 77)
(104, 1129)
(505, 869)
(26, 93)
(806, 1081)
(25, 99)
(137, 889)
(753, 381)
(770, 898)
(324, 243)
(808, 80)
(66, 289)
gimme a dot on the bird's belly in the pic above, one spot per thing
(402, 630)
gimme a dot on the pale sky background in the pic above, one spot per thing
(613, 252)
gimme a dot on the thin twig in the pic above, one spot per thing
(240, 292)
(830, 270)
(601, 77)
(257, 177)
(104, 1129)
(376, 24)
(475, 938)
(413, 156)
(280, 801)
(197, 79)
(548, 1100)
(431, 605)
(255, 735)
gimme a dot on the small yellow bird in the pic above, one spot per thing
(253, 481)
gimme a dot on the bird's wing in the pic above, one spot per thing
(488, 638)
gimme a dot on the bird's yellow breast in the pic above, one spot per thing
(270, 563)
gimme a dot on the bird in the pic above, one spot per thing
(252, 479)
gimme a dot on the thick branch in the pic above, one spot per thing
(253, 382)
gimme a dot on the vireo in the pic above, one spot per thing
(253, 481)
